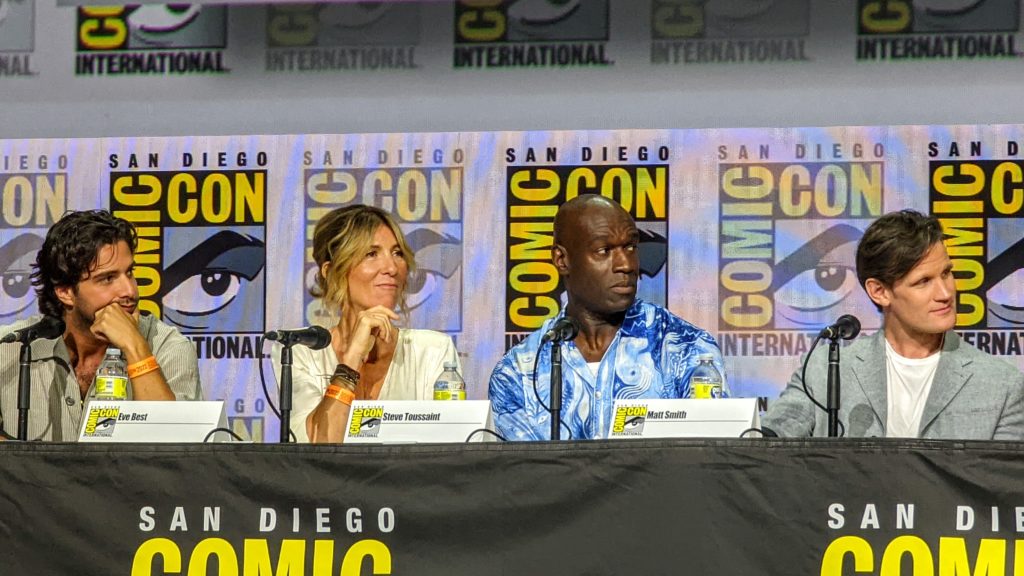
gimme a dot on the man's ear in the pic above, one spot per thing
(878, 292)
(66, 294)
(559, 259)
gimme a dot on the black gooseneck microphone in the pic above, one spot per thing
(564, 329)
(313, 337)
(845, 328)
(47, 328)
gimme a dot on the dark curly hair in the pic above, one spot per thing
(70, 249)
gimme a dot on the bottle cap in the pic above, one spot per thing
(706, 358)
(451, 366)
(113, 351)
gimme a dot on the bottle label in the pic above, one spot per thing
(449, 391)
(111, 388)
(705, 388)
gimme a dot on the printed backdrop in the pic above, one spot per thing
(750, 233)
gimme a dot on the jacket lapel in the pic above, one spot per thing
(868, 367)
(949, 379)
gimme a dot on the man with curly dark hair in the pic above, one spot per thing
(84, 274)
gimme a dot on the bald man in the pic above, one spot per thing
(626, 348)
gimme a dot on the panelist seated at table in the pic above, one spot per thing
(363, 265)
(626, 348)
(84, 274)
(914, 378)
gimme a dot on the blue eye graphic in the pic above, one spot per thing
(16, 258)
(1005, 275)
(354, 15)
(814, 281)
(438, 257)
(202, 284)
(150, 24)
(539, 12)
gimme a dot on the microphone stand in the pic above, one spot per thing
(285, 391)
(556, 389)
(24, 389)
(832, 392)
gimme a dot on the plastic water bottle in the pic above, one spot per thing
(706, 381)
(450, 385)
(112, 377)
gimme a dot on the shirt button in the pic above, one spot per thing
(599, 394)
(69, 401)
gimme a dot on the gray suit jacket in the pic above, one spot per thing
(974, 396)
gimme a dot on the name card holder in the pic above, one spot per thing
(672, 418)
(152, 421)
(411, 421)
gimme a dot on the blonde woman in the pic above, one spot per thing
(363, 262)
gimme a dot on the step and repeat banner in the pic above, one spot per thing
(749, 233)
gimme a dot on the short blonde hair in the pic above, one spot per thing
(342, 238)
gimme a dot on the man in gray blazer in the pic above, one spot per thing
(914, 378)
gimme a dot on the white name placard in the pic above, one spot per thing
(408, 421)
(718, 418)
(152, 421)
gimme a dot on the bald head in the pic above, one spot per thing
(596, 252)
(571, 218)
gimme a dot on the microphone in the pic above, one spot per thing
(47, 328)
(846, 327)
(564, 329)
(313, 337)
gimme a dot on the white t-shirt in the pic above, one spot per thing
(418, 361)
(908, 383)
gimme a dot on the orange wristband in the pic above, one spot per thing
(143, 367)
(343, 395)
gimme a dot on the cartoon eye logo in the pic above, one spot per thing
(817, 277)
(148, 23)
(738, 9)
(540, 12)
(210, 277)
(633, 423)
(948, 7)
(369, 424)
(354, 15)
(16, 259)
(1006, 294)
(653, 251)
(438, 257)
(105, 425)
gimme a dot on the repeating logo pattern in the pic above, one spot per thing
(151, 39)
(531, 33)
(728, 31)
(342, 36)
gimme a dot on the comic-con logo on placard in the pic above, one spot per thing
(365, 422)
(629, 420)
(202, 245)
(33, 195)
(342, 36)
(152, 39)
(531, 33)
(423, 190)
(981, 206)
(17, 29)
(937, 29)
(100, 422)
(726, 31)
(788, 235)
(534, 192)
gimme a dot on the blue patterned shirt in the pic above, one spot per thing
(652, 356)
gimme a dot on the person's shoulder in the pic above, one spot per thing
(159, 333)
(991, 367)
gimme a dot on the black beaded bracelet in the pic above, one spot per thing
(346, 376)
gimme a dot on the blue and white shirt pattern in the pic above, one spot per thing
(652, 356)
